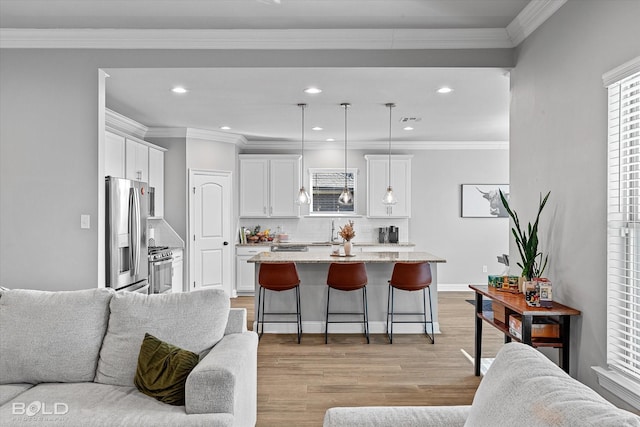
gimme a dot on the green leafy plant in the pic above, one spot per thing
(533, 263)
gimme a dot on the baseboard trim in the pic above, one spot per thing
(317, 327)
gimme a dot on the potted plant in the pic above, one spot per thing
(533, 262)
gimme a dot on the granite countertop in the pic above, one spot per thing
(323, 258)
(291, 243)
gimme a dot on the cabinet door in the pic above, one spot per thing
(245, 275)
(114, 155)
(378, 181)
(137, 161)
(156, 178)
(176, 277)
(284, 187)
(254, 188)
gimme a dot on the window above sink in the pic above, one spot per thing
(326, 185)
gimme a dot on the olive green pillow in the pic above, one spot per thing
(163, 369)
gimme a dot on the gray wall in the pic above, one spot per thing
(558, 143)
(49, 149)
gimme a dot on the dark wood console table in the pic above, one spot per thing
(515, 304)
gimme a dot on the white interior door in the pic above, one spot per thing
(210, 213)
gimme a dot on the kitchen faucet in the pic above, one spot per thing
(333, 231)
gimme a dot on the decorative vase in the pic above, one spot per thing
(347, 248)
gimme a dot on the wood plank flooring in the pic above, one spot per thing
(297, 383)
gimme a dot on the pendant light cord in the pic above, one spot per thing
(345, 105)
(302, 107)
(390, 105)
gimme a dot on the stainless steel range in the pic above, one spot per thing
(160, 269)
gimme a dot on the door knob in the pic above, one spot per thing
(225, 243)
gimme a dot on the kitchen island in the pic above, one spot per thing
(312, 269)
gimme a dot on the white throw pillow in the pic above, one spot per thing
(194, 321)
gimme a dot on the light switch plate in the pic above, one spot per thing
(85, 221)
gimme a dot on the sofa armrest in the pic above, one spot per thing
(392, 416)
(226, 379)
(237, 322)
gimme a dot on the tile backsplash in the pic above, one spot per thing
(318, 229)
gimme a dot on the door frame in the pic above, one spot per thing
(190, 213)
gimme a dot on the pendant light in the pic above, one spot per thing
(303, 196)
(346, 198)
(389, 199)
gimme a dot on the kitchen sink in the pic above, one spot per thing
(289, 248)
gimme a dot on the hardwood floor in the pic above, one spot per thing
(297, 383)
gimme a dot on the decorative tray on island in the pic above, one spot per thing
(342, 255)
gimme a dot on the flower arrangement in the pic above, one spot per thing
(347, 232)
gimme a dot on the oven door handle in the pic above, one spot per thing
(162, 262)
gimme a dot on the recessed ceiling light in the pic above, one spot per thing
(312, 90)
(408, 128)
(444, 89)
(179, 89)
(225, 128)
(316, 128)
(330, 139)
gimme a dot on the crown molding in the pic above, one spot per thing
(400, 145)
(193, 133)
(183, 39)
(622, 72)
(535, 13)
(118, 122)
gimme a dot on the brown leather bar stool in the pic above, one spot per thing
(278, 277)
(410, 277)
(348, 276)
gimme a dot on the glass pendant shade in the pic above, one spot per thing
(303, 197)
(346, 198)
(389, 199)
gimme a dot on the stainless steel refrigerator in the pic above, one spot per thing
(127, 204)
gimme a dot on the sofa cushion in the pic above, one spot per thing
(522, 384)
(163, 370)
(51, 336)
(92, 404)
(194, 321)
(9, 391)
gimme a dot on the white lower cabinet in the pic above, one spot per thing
(176, 274)
(245, 271)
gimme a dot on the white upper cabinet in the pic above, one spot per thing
(156, 179)
(137, 161)
(114, 153)
(269, 185)
(378, 181)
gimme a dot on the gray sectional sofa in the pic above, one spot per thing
(69, 358)
(521, 388)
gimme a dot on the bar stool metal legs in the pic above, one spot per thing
(391, 314)
(364, 313)
(261, 313)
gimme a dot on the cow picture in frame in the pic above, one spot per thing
(483, 200)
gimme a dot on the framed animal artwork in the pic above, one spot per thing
(483, 200)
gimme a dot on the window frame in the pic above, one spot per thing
(354, 190)
(622, 374)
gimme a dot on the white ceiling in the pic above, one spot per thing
(261, 103)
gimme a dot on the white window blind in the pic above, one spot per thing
(623, 265)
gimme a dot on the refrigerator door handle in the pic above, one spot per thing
(138, 232)
(133, 231)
